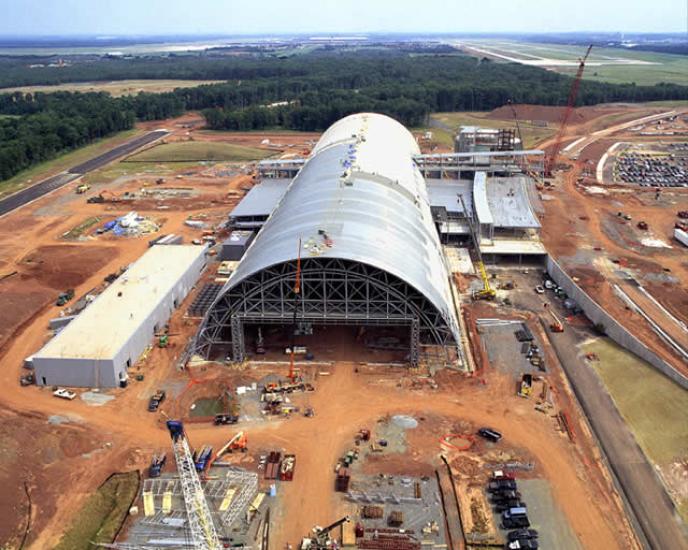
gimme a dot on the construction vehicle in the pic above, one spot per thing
(550, 160)
(286, 472)
(81, 189)
(27, 379)
(557, 325)
(157, 464)
(321, 536)
(64, 297)
(526, 386)
(239, 442)
(163, 340)
(223, 419)
(201, 529)
(487, 292)
(202, 458)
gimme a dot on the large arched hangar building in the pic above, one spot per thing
(370, 253)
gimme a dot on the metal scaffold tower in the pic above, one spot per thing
(200, 521)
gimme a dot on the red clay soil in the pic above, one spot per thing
(552, 114)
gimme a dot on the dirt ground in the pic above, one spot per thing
(344, 401)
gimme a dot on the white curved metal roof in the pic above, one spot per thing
(363, 189)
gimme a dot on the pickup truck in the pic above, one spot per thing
(64, 394)
(155, 400)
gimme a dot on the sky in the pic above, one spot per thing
(247, 17)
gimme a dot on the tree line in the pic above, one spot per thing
(40, 127)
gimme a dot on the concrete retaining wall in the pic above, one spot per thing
(613, 329)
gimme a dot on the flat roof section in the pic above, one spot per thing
(104, 327)
(514, 247)
(261, 199)
(509, 203)
(482, 205)
(445, 193)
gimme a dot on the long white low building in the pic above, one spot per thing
(97, 348)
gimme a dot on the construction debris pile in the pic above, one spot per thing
(130, 225)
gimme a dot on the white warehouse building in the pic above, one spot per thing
(97, 348)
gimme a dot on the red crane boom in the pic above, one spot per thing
(552, 157)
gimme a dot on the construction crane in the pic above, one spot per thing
(200, 521)
(557, 325)
(297, 292)
(551, 159)
(487, 292)
(321, 538)
(526, 165)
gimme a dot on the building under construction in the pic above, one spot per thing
(352, 241)
(353, 234)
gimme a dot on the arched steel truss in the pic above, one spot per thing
(333, 291)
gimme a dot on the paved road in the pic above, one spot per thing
(653, 509)
(44, 187)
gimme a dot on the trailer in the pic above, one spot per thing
(286, 472)
(272, 466)
(681, 236)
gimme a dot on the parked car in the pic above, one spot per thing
(506, 494)
(508, 504)
(226, 419)
(515, 518)
(523, 544)
(64, 394)
(522, 534)
(490, 434)
(501, 485)
(539, 289)
(155, 400)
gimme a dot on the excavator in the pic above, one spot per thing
(321, 536)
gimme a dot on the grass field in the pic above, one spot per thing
(63, 162)
(617, 65)
(102, 515)
(116, 88)
(197, 151)
(647, 400)
(653, 406)
(532, 135)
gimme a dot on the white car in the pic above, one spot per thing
(64, 394)
(539, 289)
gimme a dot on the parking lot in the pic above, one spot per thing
(665, 166)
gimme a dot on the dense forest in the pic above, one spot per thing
(49, 124)
(303, 92)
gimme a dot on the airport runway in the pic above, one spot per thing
(46, 186)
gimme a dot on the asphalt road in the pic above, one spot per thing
(44, 187)
(654, 511)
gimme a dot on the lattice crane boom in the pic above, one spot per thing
(201, 526)
(571, 103)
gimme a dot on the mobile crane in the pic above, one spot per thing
(487, 292)
(551, 159)
(200, 522)
(321, 536)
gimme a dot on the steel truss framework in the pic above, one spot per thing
(333, 291)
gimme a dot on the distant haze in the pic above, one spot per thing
(227, 17)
